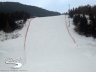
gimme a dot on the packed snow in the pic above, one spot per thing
(52, 45)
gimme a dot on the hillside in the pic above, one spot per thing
(51, 46)
(32, 10)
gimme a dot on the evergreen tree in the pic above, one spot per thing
(76, 20)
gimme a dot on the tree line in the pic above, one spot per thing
(87, 9)
(13, 21)
(84, 19)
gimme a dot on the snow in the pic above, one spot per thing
(12, 50)
(50, 48)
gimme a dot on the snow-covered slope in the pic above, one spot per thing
(53, 46)
(50, 48)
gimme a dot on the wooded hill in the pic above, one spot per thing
(9, 7)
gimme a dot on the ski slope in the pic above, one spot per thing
(50, 48)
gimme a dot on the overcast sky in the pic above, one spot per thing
(56, 5)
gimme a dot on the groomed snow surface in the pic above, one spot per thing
(53, 46)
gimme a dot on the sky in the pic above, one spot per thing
(55, 5)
